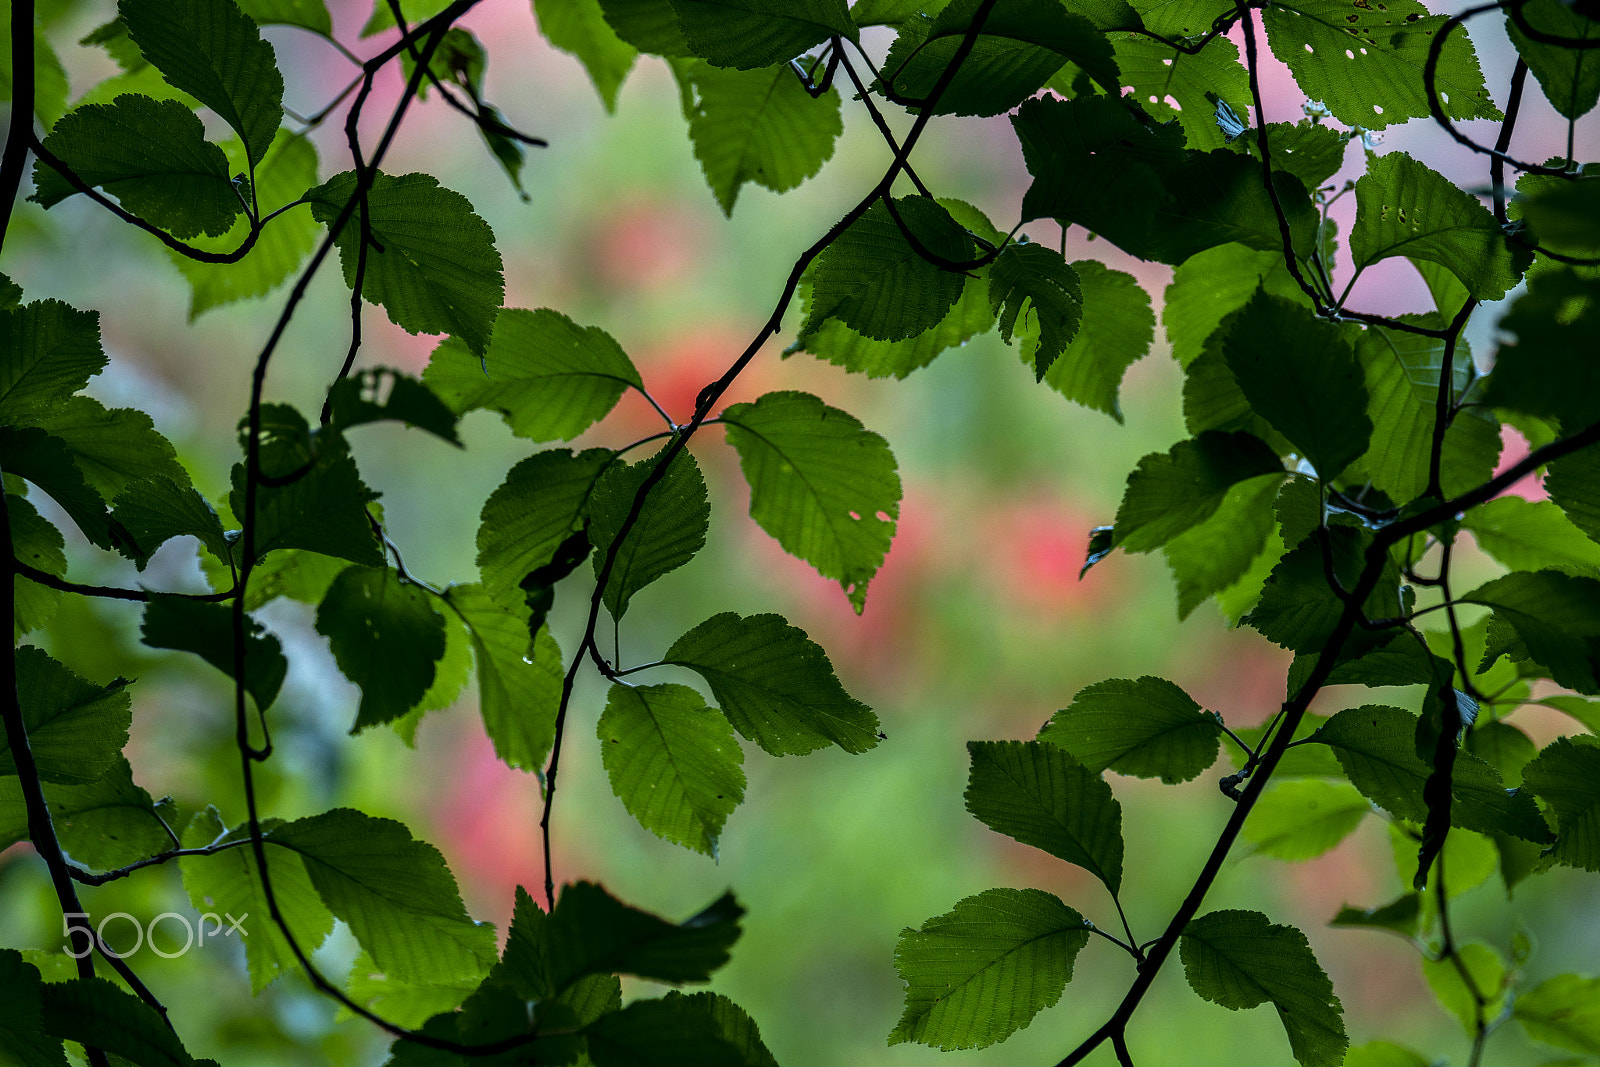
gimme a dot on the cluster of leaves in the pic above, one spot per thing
(1335, 458)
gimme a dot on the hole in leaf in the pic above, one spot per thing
(856, 515)
(884, 516)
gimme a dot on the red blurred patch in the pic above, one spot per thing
(1034, 551)
(644, 244)
(1514, 447)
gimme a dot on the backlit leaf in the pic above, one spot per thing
(1146, 727)
(96, 1013)
(213, 51)
(1207, 286)
(1563, 1011)
(21, 1027)
(1304, 817)
(548, 377)
(1365, 63)
(1570, 77)
(534, 510)
(48, 351)
(1038, 794)
(1173, 491)
(1158, 74)
(878, 284)
(1020, 45)
(673, 762)
(1557, 618)
(1116, 331)
(1530, 534)
(438, 270)
(1404, 208)
(395, 892)
(1488, 976)
(579, 28)
(671, 1032)
(774, 684)
(670, 529)
(152, 156)
(1240, 960)
(983, 970)
(39, 544)
(821, 484)
(758, 126)
(1549, 369)
(76, 729)
(102, 824)
(759, 33)
(519, 680)
(1565, 776)
(1035, 285)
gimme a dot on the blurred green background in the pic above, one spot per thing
(977, 627)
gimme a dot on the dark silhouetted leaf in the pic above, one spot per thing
(1555, 616)
(385, 636)
(1567, 776)
(1173, 491)
(380, 394)
(532, 513)
(206, 629)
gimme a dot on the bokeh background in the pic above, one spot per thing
(978, 626)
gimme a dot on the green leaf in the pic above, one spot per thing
(1556, 617)
(837, 343)
(1038, 794)
(1116, 330)
(1570, 77)
(385, 636)
(1549, 370)
(1365, 63)
(1565, 776)
(1376, 747)
(671, 1032)
(1240, 960)
(1574, 484)
(406, 1004)
(1213, 556)
(415, 11)
(1304, 817)
(648, 25)
(1209, 285)
(733, 1023)
(112, 448)
(76, 729)
(759, 33)
(578, 27)
(324, 509)
(307, 14)
(206, 629)
(876, 282)
(1021, 44)
(822, 485)
(1036, 284)
(93, 1012)
(1401, 373)
(1299, 610)
(102, 824)
(670, 529)
(1563, 1011)
(227, 884)
(1180, 18)
(1095, 162)
(1170, 84)
(21, 1026)
(281, 177)
(1301, 375)
(760, 126)
(532, 513)
(50, 79)
(591, 932)
(48, 351)
(673, 762)
(1147, 728)
(774, 684)
(39, 544)
(548, 377)
(982, 971)
(435, 268)
(1404, 208)
(1529, 534)
(1310, 151)
(379, 394)
(519, 683)
(152, 156)
(47, 462)
(1488, 974)
(1401, 915)
(1383, 1054)
(1170, 492)
(212, 51)
(395, 892)
(1563, 214)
